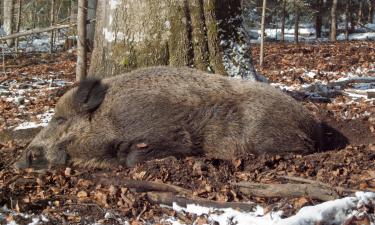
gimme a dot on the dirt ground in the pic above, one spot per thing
(81, 196)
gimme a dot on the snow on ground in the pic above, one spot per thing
(44, 118)
(308, 34)
(331, 212)
(8, 215)
(37, 43)
(25, 93)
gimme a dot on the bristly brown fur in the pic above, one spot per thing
(162, 111)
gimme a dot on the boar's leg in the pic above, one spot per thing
(156, 144)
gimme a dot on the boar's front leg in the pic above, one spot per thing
(156, 144)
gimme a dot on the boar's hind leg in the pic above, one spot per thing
(154, 145)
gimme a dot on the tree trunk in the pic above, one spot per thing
(82, 47)
(91, 14)
(283, 15)
(360, 12)
(52, 21)
(206, 34)
(370, 11)
(18, 24)
(8, 19)
(318, 18)
(262, 33)
(296, 23)
(334, 20)
(347, 18)
(73, 11)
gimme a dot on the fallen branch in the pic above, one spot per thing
(169, 199)
(147, 186)
(351, 80)
(318, 183)
(37, 30)
(367, 28)
(42, 30)
(287, 191)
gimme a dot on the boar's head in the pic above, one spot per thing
(73, 113)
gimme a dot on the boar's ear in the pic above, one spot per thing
(89, 95)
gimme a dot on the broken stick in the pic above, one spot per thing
(287, 190)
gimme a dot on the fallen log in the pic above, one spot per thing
(148, 186)
(169, 199)
(351, 80)
(287, 191)
(36, 31)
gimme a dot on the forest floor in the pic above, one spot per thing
(80, 196)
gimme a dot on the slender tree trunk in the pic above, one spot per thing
(73, 10)
(82, 47)
(52, 21)
(8, 19)
(360, 12)
(347, 18)
(91, 14)
(262, 33)
(18, 25)
(296, 22)
(318, 18)
(370, 11)
(283, 15)
(206, 34)
(334, 20)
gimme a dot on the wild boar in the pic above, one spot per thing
(162, 111)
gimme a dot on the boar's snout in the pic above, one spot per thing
(33, 157)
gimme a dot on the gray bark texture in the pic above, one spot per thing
(206, 34)
(334, 20)
(91, 14)
(8, 19)
(81, 69)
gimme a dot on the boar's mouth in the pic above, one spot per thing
(35, 158)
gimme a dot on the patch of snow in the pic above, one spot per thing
(27, 125)
(35, 221)
(335, 212)
(229, 216)
(310, 74)
(44, 118)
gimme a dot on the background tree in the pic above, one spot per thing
(206, 34)
(334, 20)
(262, 30)
(8, 21)
(81, 70)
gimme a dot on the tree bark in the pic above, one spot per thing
(296, 22)
(52, 21)
(347, 18)
(283, 15)
(8, 19)
(206, 34)
(360, 12)
(370, 11)
(262, 33)
(81, 69)
(318, 18)
(334, 20)
(18, 24)
(91, 14)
